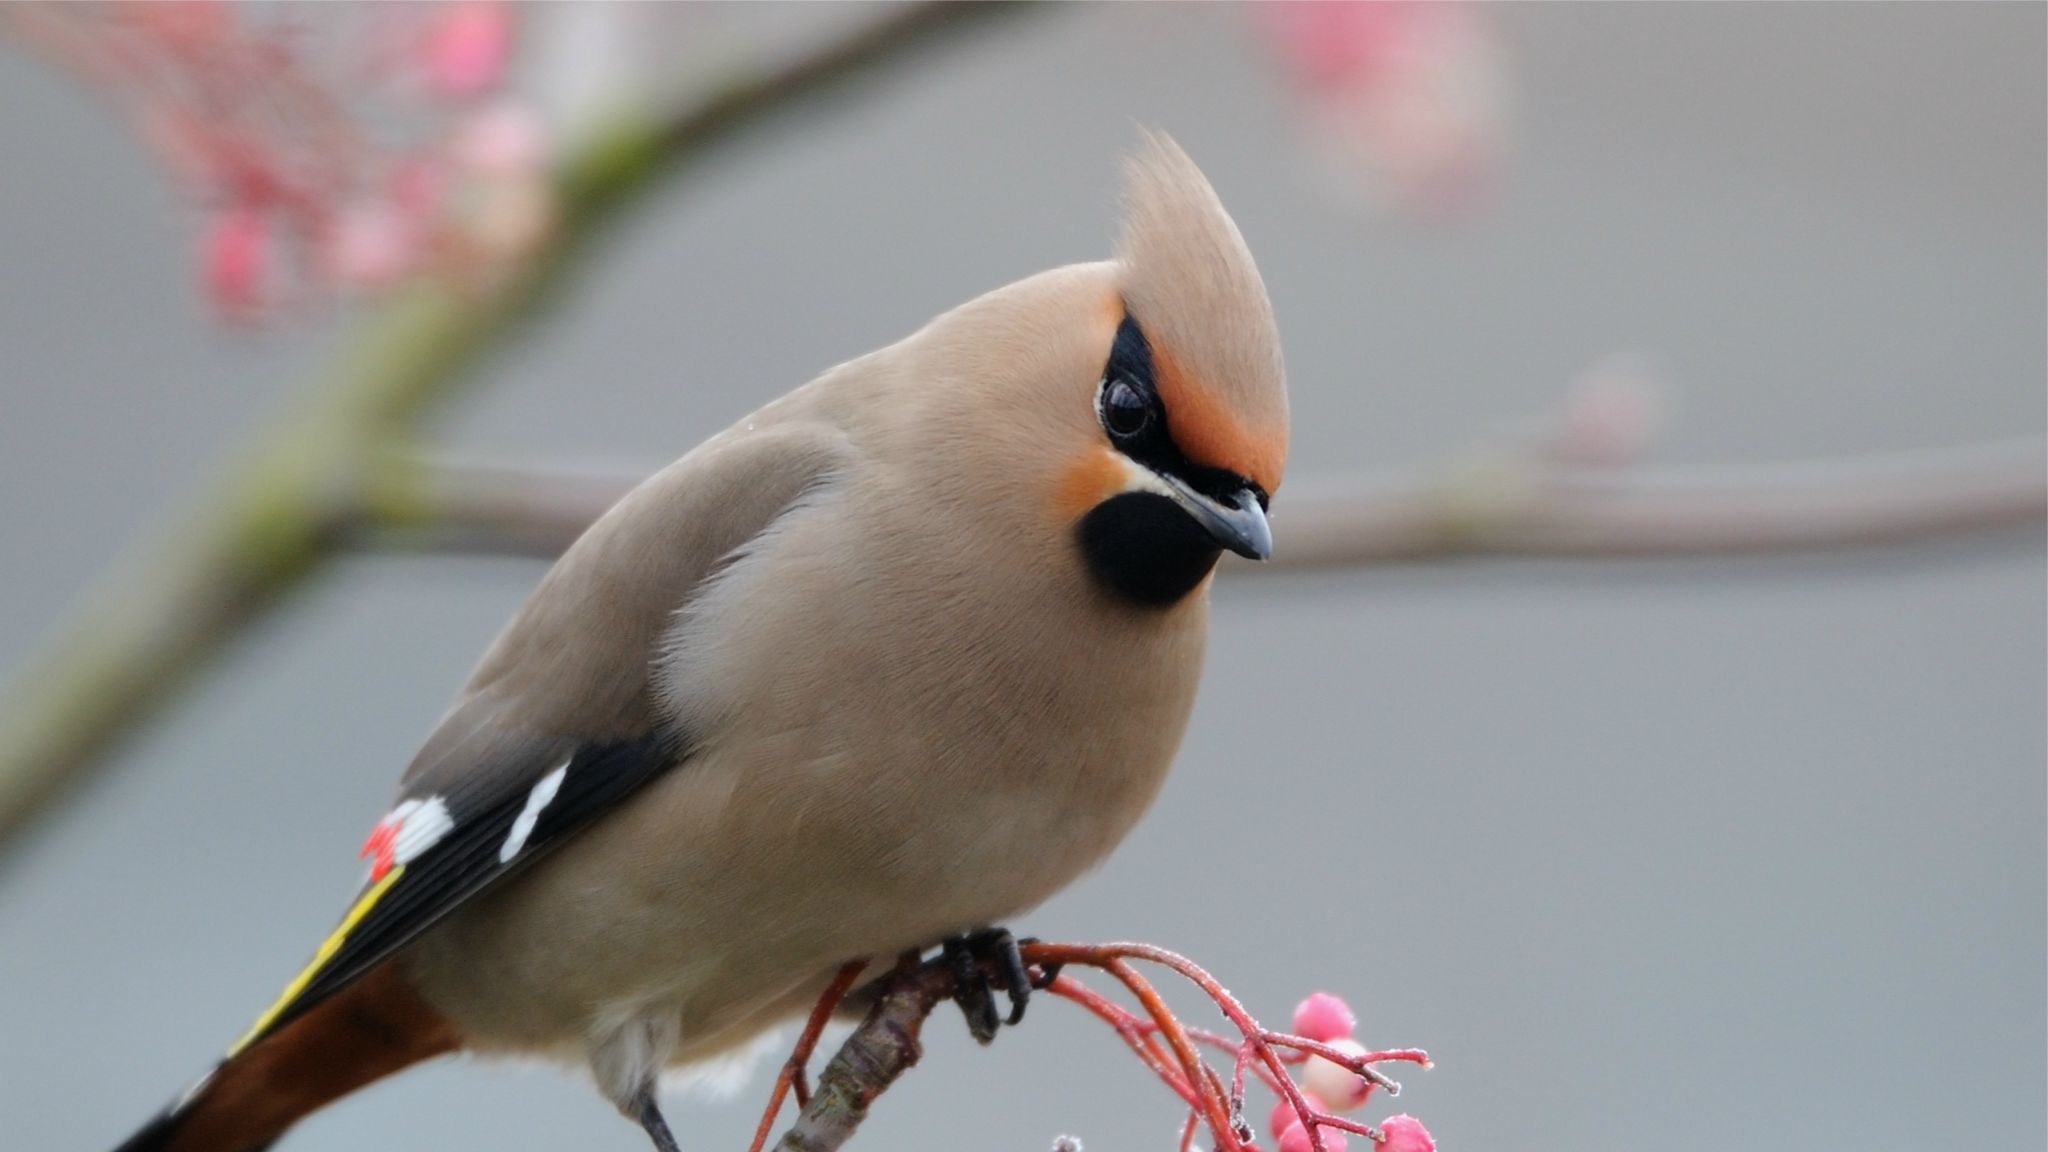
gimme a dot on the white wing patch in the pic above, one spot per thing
(421, 829)
(543, 792)
(405, 832)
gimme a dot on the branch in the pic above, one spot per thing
(883, 1048)
(886, 1045)
(1526, 508)
(1515, 506)
(270, 525)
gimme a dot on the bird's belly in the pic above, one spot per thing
(771, 867)
(861, 806)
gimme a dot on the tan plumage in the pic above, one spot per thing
(1185, 269)
(898, 656)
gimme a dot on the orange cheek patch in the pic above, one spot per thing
(1090, 479)
(1206, 432)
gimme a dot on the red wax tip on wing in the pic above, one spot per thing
(378, 848)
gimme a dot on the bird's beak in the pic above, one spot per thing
(1236, 522)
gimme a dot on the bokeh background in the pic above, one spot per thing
(1649, 855)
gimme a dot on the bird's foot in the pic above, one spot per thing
(983, 962)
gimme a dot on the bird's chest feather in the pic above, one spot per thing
(976, 742)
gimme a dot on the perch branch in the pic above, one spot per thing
(881, 1049)
(269, 526)
(886, 1044)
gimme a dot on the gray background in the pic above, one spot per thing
(1675, 856)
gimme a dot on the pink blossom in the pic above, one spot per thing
(418, 185)
(1335, 42)
(1404, 1133)
(235, 254)
(326, 158)
(1409, 92)
(466, 48)
(188, 24)
(371, 246)
(1323, 1016)
(503, 140)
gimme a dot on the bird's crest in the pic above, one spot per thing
(1190, 283)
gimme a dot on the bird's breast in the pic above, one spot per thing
(888, 748)
(936, 707)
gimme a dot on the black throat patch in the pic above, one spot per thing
(1143, 548)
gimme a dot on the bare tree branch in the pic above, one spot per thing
(268, 526)
(883, 1048)
(1514, 506)
(1528, 509)
(886, 1044)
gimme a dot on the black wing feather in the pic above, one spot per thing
(466, 861)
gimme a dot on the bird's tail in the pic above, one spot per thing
(365, 1032)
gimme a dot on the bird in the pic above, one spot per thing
(882, 666)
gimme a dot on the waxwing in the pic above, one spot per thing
(890, 661)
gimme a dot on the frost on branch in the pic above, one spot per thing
(1315, 1078)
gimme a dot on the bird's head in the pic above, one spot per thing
(1132, 413)
(1189, 428)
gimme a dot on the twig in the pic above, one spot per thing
(270, 524)
(1524, 508)
(793, 1069)
(1512, 507)
(885, 1045)
(881, 1049)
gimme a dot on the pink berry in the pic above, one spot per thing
(1296, 1139)
(1323, 1017)
(1332, 1082)
(1405, 1133)
(1285, 1115)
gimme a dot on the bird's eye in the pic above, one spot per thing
(1124, 411)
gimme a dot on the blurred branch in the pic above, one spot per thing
(1515, 506)
(268, 527)
(1528, 509)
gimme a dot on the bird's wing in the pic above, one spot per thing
(559, 723)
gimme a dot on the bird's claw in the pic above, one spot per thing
(982, 962)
